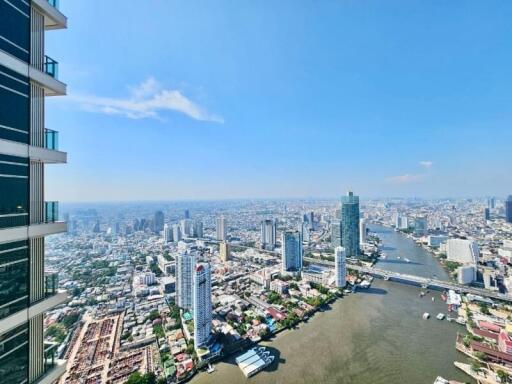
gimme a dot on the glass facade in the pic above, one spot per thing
(15, 28)
(14, 99)
(14, 277)
(14, 187)
(350, 224)
(14, 355)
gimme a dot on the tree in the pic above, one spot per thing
(504, 377)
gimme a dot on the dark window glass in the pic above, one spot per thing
(14, 277)
(15, 29)
(14, 355)
(14, 200)
(14, 114)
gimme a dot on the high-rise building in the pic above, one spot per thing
(202, 305)
(508, 209)
(462, 251)
(420, 226)
(176, 233)
(224, 251)
(362, 231)
(167, 233)
(27, 77)
(158, 221)
(268, 234)
(186, 214)
(198, 229)
(350, 224)
(487, 214)
(304, 229)
(221, 228)
(340, 267)
(491, 203)
(336, 233)
(185, 265)
(291, 251)
(187, 227)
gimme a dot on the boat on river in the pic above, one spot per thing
(426, 315)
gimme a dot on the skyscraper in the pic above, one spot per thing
(508, 209)
(224, 251)
(268, 234)
(27, 77)
(198, 229)
(186, 214)
(487, 214)
(167, 233)
(420, 226)
(176, 233)
(362, 231)
(221, 228)
(187, 227)
(185, 265)
(158, 221)
(350, 224)
(291, 251)
(340, 267)
(491, 203)
(202, 305)
(336, 233)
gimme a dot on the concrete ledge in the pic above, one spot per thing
(52, 86)
(44, 155)
(53, 18)
(53, 373)
(34, 230)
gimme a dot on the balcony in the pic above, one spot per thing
(51, 211)
(51, 67)
(53, 18)
(51, 139)
(51, 284)
(53, 367)
(54, 3)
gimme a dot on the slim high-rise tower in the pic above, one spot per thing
(350, 224)
(27, 77)
(202, 305)
(292, 251)
(340, 267)
(268, 234)
(185, 265)
(158, 221)
(221, 228)
(508, 209)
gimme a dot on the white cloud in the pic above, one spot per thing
(146, 100)
(426, 163)
(405, 179)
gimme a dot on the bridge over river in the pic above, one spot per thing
(424, 282)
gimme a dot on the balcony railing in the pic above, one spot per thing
(54, 3)
(51, 139)
(50, 356)
(51, 67)
(51, 284)
(51, 211)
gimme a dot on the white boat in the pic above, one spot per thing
(441, 380)
(398, 257)
(426, 315)
(440, 316)
(460, 320)
(407, 260)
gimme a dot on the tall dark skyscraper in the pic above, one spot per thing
(508, 209)
(350, 224)
(186, 214)
(27, 77)
(159, 221)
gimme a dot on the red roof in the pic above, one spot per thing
(486, 334)
(278, 315)
(489, 326)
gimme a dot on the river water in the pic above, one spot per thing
(376, 336)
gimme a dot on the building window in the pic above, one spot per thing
(14, 277)
(14, 99)
(15, 28)
(14, 186)
(14, 355)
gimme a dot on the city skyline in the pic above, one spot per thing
(425, 110)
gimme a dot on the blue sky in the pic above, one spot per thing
(228, 99)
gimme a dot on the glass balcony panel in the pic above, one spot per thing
(51, 211)
(51, 67)
(51, 139)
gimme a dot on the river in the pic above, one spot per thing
(376, 336)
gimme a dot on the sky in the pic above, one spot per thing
(180, 100)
